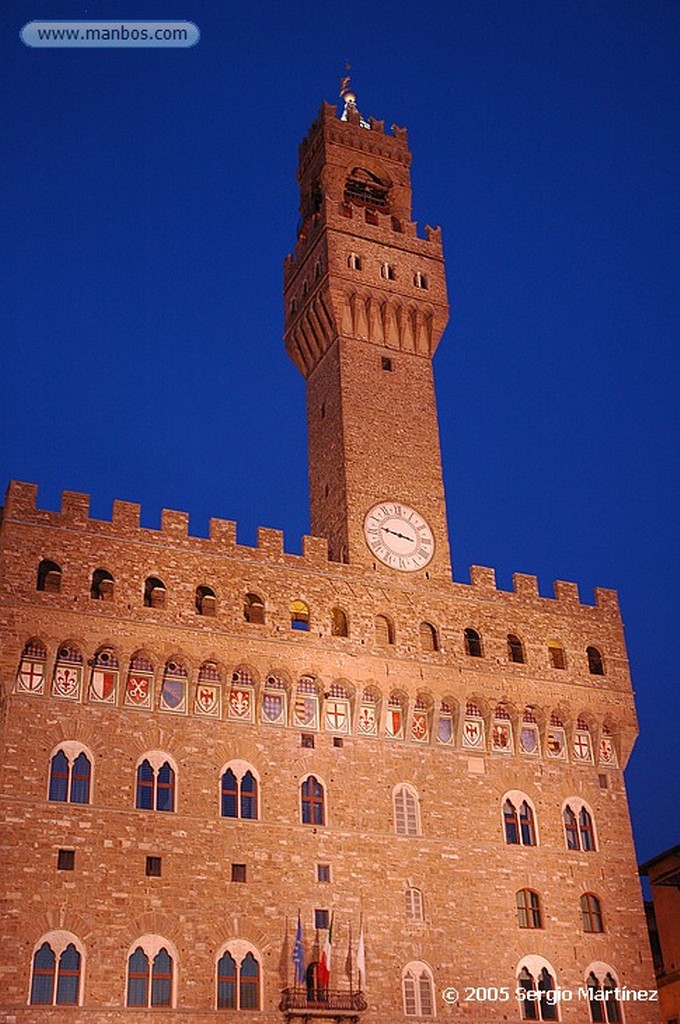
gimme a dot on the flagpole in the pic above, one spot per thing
(349, 958)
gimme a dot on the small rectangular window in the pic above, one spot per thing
(321, 918)
(386, 363)
(337, 741)
(66, 860)
(307, 740)
(323, 872)
(238, 872)
(153, 867)
(603, 781)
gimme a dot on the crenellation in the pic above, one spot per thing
(525, 586)
(567, 593)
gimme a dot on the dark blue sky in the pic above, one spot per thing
(149, 199)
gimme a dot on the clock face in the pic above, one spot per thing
(399, 536)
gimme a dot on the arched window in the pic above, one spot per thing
(515, 649)
(519, 824)
(591, 912)
(420, 280)
(339, 623)
(537, 1001)
(155, 783)
(528, 909)
(253, 609)
(595, 663)
(429, 641)
(354, 261)
(206, 601)
(363, 188)
(406, 811)
(101, 588)
(57, 969)
(154, 593)
(388, 272)
(418, 990)
(239, 792)
(226, 982)
(414, 904)
(602, 985)
(384, 631)
(151, 973)
(70, 774)
(49, 577)
(473, 643)
(556, 655)
(313, 804)
(579, 830)
(299, 615)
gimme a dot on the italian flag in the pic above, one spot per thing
(325, 962)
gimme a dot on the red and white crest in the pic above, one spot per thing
(394, 722)
(581, 749)
(103, 686)
(473, 732)
(336, 714)
(207, 700)
(31, 678)
(240, 706)
(419, 729)
(138, 691)
(66, 682)
(367, 720)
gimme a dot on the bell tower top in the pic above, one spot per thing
(365, 308)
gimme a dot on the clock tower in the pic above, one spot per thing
(365, 307)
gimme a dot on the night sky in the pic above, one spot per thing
(149, 198)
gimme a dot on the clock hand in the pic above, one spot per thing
(394, 533)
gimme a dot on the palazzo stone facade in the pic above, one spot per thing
(212, 750)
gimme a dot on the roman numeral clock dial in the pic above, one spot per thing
(399, 536)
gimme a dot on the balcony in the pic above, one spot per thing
(335, 1005)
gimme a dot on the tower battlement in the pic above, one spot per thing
(22, 509)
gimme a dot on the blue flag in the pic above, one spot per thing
(299, 955)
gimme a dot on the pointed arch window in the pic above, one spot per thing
(519, 825)
(312, 802)
(418, 990)
(406, 811)
(473, 643)
(70, 775)
(226, 982)
(155, 789)
(579, 829)
(56, 971)
(150, 976)
(239, 792)
(538, 1002)
(604, 1006)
